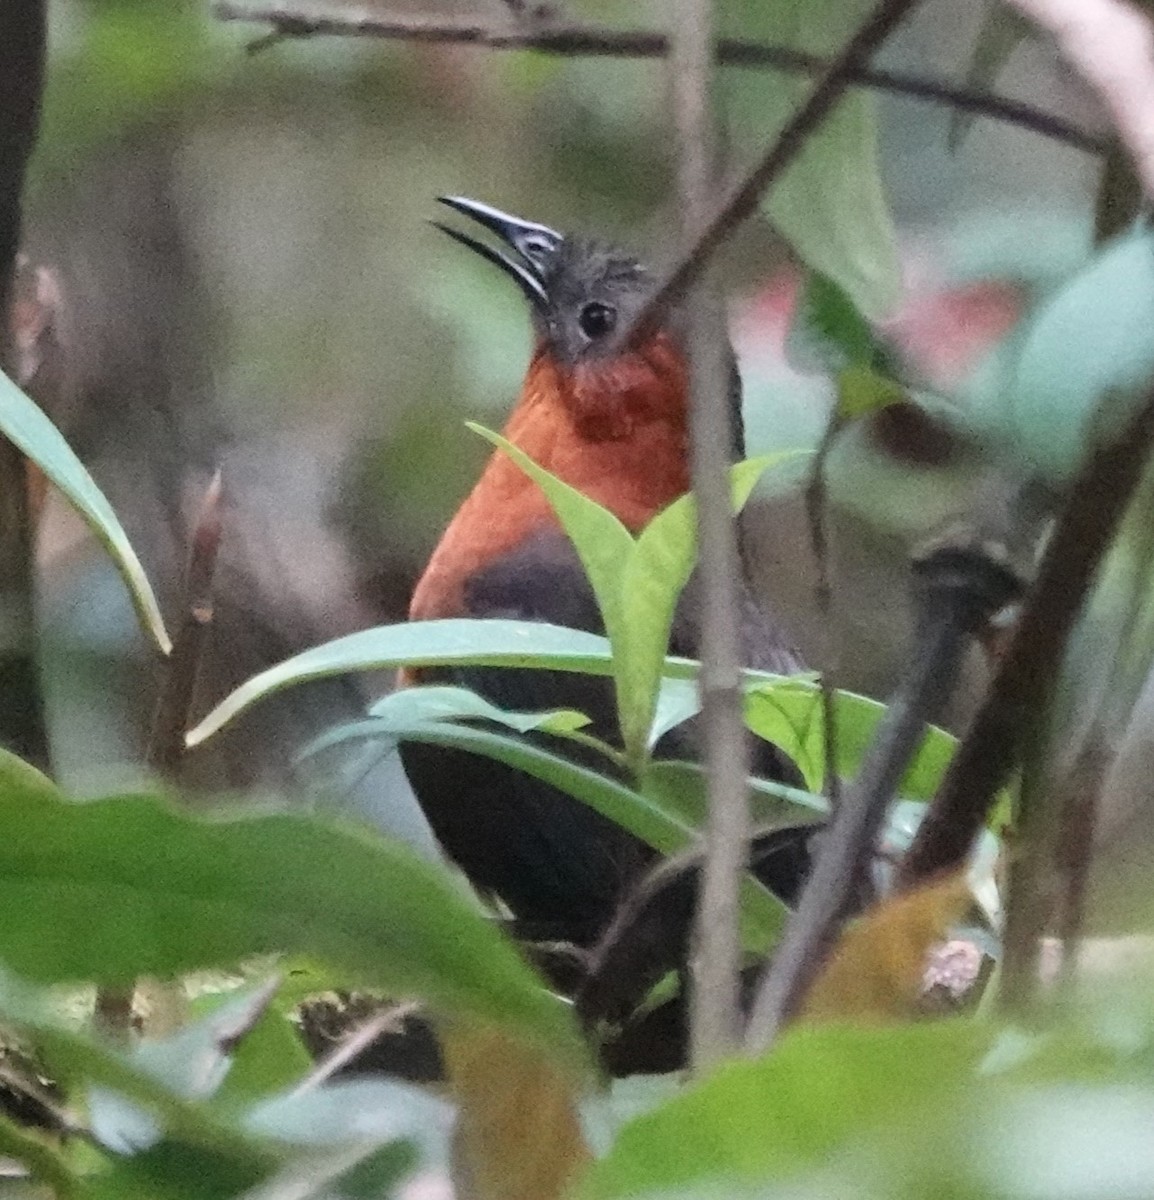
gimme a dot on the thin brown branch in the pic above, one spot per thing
(828, 89)
(959, 586)
(170, 721)
(716, 957)
(570, 39)
(993, 745)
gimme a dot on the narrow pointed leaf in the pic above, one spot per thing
(602, 543)
(452, 642)
(26, 426)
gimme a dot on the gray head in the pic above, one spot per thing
(581, 292)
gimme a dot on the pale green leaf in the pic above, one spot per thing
(26, 426)
(130, 887)
(445, 643)
(830, 205)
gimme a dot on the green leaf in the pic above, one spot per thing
(23, 423)
(637, 582)
(789, 714)
(799, 1108)
(42, 1160)
(679, 788)
(659, 814)
(447, 643)
(620, 803)
(129, 887)
(1084, 359)
(827, 332)
(252, 1033)
(830, 205)
(174, 1170)
(416, 705)
(862, 390)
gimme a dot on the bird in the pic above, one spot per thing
(613, 422)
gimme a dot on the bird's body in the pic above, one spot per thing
(613, 424)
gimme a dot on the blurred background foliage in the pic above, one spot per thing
(248, 278)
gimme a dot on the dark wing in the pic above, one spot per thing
(560, 867)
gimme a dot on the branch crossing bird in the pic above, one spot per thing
(613, 423)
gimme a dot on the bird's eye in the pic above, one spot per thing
(596, 320)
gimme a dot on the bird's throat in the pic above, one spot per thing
(637, 468)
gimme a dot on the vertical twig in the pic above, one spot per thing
(716, 959)
(114, 1005)
(170, 721)
(22, 46)
(816, 515)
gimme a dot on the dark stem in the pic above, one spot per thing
(22, 722)
(958, 589)
(1078, 826)
(828, 89)
(816, 495)
(171, 719)
(569, 39)
(993, 745)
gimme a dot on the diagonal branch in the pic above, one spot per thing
(828, 89)
(993, 744)
(572, 39)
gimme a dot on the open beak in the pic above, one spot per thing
(532, 244)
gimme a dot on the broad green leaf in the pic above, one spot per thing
(75, 1059)
(637, 582)
(446, 643)
(1084, 359)
(862, 390)
(660, 819)
(773, 1118)
(271, 1056)
(130, 887)
(830, 205)
(828, 334)
(174, 1170)
(348, 1110)
(788, 713)
(639, 814)
(679, 788)
(23, 423)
